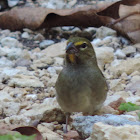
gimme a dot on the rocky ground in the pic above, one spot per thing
(30, 62)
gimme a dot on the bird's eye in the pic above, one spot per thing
(83, 46)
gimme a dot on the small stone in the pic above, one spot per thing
(135, 78)
(48, 125)
(124, 76)
(116, 85)
(96, 42)
(107, 110)
(129, 50)
(23, 62)
(39, 37)
(74, 30)
(47, 133)
(12, 3)
(49, 60)
(128, 66)
(52, 81)
(104, 55)
(16, 35)
(10, 72)
(137, 55)
(107, 40)
(51, 91)
(123, 94)
(5, 32)
(134, 114)
(111, 99)
(116, 62)
(4, 62)
(52, 111)
(10, 108)
(19, 120)
(6, 129)
(84, 124)
(120, 54)
(53, 115)
(51, 70)
(45, 43)
(43, 61)
(71, 135)
(11, 53)
(108, 132)
(25, 35)
(28, 30)
(31, 97)
(58, 61)
(4, 96)
(133, 99)
(48, 5)
(54, 50)
(92, 30)
(137, 46)
(58, 69)
(102, 32)
(48, 111)
(67, 28)
(10, 42)
(124, 41)
(135, 73)
(133, 87)
(25, 81)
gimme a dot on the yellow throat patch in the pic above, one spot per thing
(72, 58)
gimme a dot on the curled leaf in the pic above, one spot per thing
(28, 131)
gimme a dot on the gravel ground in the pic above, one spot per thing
(30, 62)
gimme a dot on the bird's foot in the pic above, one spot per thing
(67, 122)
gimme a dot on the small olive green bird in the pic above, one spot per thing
(81, 86)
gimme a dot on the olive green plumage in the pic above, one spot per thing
(81, 86)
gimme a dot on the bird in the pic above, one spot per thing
(80, 86)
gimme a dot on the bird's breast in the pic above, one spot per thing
(73, 92)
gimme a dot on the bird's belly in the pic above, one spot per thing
(81, 102)
(74, 104)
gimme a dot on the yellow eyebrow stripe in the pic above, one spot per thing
(78, 43)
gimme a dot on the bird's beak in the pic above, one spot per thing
(70, 45)
(71, 49)
(71, 52)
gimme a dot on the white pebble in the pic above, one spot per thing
(31, 97)
(120, 54)
(25, 35)
(51, 70)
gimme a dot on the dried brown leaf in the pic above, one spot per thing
(131, 24)
(122, 16)
(135, 36)
(33, 18)
(134, 87)
(29, 130)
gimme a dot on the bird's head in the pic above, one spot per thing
(79, 51)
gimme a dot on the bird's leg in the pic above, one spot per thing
(67, 122)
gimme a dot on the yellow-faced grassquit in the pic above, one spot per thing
(81, 86)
